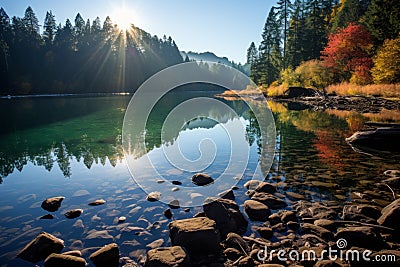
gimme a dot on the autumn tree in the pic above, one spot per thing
(387, 63)
(347, 54)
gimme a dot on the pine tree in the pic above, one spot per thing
(284, 13)
(383, 19)
(252, 54)
(348, 11)
(270, 61)
(296, 40)
(31, 24)
(49, 28)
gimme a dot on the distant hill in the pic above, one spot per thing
(211, 57)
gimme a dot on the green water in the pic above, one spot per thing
(71, 146)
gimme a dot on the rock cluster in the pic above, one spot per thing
(218, 235)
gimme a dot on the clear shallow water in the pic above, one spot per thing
(71, 146)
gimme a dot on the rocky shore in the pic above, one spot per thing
(287, 230)
(362, 104)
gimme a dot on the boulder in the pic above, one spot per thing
(266, 188)
(361, 236)
(295, 91)
(52, 204)
(270, 200)
(202, 179)
(309, 228)
(227, 194)
(391, 215)
(360, 211)
(75, 253)
(41, 247)
(107, 256)
(226, 214)
(252, 184)
(198, 235)
(174, 256)
(62, 260)
(256, 211)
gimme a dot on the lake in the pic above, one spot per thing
(72, 147)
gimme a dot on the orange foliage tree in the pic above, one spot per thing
(347, 54)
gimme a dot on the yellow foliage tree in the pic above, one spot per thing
(387, 63)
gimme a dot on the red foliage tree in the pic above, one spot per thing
(347, 54)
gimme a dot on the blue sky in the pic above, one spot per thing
(225, 27)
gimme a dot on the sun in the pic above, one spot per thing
(123, 18)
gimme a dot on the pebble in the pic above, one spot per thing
(121, 219)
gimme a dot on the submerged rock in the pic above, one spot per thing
(256, 211)
(202, 179)
(168, 214)
(62, 260)
(121, 219)
(72, 214)
(41, 247)
(52, 204)
(97, 202)
(198, 235)
(174, 256)
(174, 204)
(107, 256)
(98, 238)
(47, 217)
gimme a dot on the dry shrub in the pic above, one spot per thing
(384, 90)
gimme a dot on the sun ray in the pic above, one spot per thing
(123, 18)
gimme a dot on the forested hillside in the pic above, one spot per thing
(316, 43)
(79, 56)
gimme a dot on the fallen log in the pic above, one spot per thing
(381, 139)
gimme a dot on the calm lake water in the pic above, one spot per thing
(71, 147)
